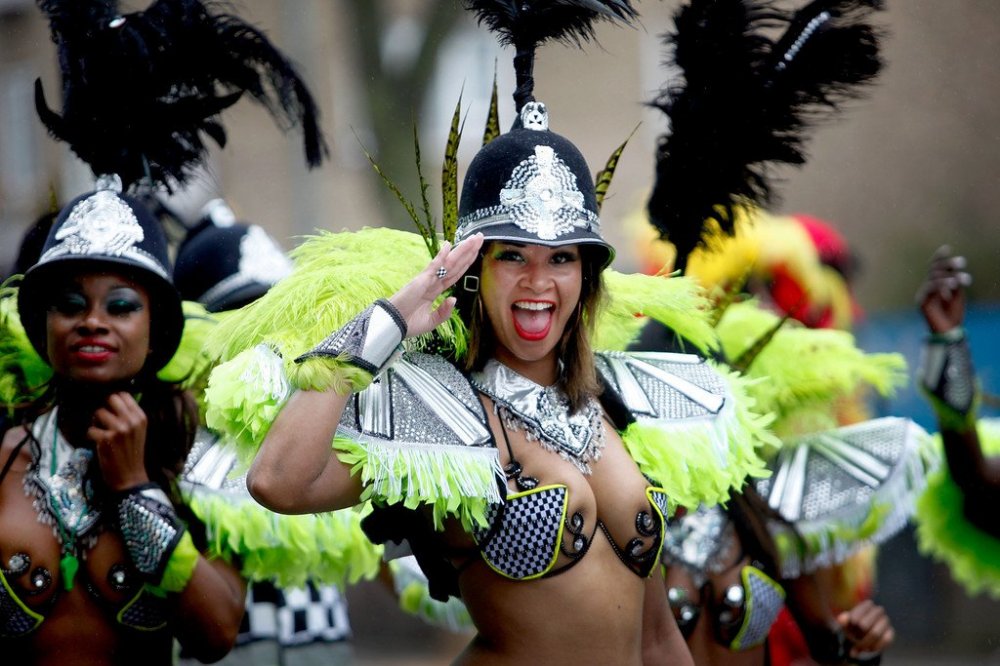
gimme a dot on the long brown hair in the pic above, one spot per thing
(576, 356)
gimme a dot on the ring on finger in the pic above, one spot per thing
(442, 272)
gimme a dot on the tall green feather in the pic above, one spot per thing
(428, 230)
(602, 181)
(492, 129)
(449, 176)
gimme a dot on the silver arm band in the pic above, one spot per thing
(150, 528)
(367, 341)
(946, 371)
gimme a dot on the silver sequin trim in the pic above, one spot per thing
(543, 412)
(541, 197)
(103, 225)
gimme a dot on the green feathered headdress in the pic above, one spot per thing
(803, 372)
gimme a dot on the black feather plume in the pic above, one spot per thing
(525, 24)
(747, 101)
(141, 91)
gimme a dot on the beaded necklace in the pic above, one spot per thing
(543, 413)
(63, 494)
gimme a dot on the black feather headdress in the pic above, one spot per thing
(747, 100)
(141, 91)
(526, 24)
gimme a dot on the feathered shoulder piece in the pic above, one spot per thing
(845, 488)
(141, 91)
(747, 100)
(525, 24)
(946, 534)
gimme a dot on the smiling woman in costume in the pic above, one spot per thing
(528, 474)
(102, 559)
(98, 565)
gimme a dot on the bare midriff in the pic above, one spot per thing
(589, 614)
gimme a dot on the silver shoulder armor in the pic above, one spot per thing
(419, 399)
(662, 385)
(847, 487)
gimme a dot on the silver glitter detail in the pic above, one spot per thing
(17, 564)
(800, 41)
(534, 116)
(541, 197)
(149, 527)
(543, 412)
(103, 225)
(427, 397)
(63, 498)
(261, 262)
(40, 579)
(467, 425)
(837, 470)
(834, 483)
(117, 577)
(946, 372)
(672, 386)
(367, 341)
(702, 541)
(210, 465)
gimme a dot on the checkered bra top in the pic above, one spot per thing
(524, 543)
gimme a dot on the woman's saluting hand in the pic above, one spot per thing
(415, 300)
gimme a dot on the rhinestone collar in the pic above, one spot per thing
(543, 412)
(60, 485)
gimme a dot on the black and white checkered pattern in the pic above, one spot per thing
(526, 541)
(294, 616)
(764, 600)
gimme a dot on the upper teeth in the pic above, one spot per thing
(532, 305)
(91, 348)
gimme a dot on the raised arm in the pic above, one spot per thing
(297, 470)
(948, 377)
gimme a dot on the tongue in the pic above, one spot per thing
(532, 321)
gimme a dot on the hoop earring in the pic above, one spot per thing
(470, 283)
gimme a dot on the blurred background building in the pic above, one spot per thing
(914, 165)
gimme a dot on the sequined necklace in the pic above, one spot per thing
(704, 542)
(543, 413)
(63, 494)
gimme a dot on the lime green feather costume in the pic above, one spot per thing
(337, 275)
(945, 534)
(842, 487)
(264, 545)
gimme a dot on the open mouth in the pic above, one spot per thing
(533, 319)
(92, 352)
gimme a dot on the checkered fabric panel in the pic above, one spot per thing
(13, 620)
(526, 541)
(295, 616)
(146, 612)
(661, 499)
(764, 601)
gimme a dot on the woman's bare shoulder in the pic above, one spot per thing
(13, 437)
